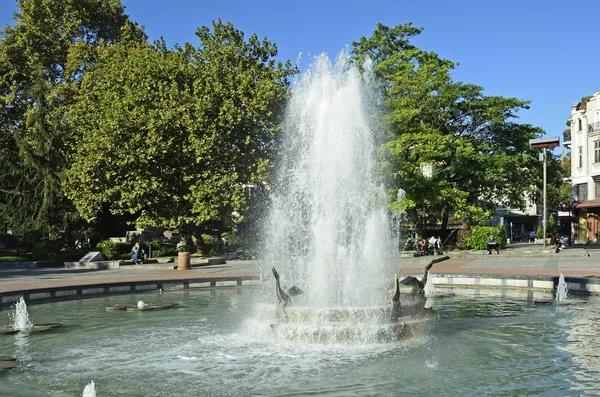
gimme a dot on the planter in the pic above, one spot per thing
(183, 261)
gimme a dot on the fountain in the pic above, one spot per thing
(562, 291)
(89, 390)
(329, 230)
(20, 317)
(21, 322)
(334, 241)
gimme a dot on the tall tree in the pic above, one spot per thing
(451, 148)
(175, 136)
(34, 58)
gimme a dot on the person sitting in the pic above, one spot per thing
(558, 243)
(137, 254)
(492, 244)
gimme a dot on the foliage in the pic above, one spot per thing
(236, 241)
(480, 235)
(11, 258)
(551, 226)
(109, 249)
(34, 80)
(45, 249)
(160, 249)
(540, 232)
(208, 116)
(450, 147)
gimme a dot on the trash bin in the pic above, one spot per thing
(183, 261)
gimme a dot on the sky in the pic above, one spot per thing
(544, 51)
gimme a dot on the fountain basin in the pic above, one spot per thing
(478, 342)
(8, 362)
(33, 329)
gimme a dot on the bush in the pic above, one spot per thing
(186, 248)
(540, 232)
(480, 234)
(45, 249)
(551, 226)
(109, 249)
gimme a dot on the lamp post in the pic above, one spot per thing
(544, 143)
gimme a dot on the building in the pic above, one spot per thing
(584, 143)
(519, 224)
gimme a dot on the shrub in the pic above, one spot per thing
(109, 249)
(45, 249)
(480, 234)
(551, 226)
(186, 248)
(540, 232)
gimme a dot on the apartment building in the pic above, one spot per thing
(584, 143)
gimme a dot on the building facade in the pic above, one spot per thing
(584, 143)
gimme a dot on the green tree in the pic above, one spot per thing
(450, 147)
(34, 59)
(175, 136)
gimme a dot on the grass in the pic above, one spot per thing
(11, 258)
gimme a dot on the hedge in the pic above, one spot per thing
(480, 235)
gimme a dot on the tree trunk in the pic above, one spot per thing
(445, 213)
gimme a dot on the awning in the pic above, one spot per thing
(589, 204)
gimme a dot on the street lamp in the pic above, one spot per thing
(544, 143)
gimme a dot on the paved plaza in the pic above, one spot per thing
(574, 262)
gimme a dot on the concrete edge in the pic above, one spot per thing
(95, 289)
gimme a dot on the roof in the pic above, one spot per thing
(589, 204)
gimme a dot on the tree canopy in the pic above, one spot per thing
(175, 135)
(452, 148)
(34, 57)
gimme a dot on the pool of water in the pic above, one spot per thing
(475, 343)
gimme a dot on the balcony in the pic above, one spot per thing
(567, 139)
(594, 127)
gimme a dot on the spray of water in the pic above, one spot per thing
(141, 305)
(329, 231)
(561, 290)
(89, 390)
(429, 287)
(20, 317)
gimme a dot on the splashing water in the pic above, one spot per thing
(429, 287)
(89, 390)
(141, 305)
(329, 231)
(561, 290)
(20, 317)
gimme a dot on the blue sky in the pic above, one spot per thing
(543, 51)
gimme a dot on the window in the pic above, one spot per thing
(580, 154)
(580, 192)
(579, 124)
(596, 151)
(598, 191)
